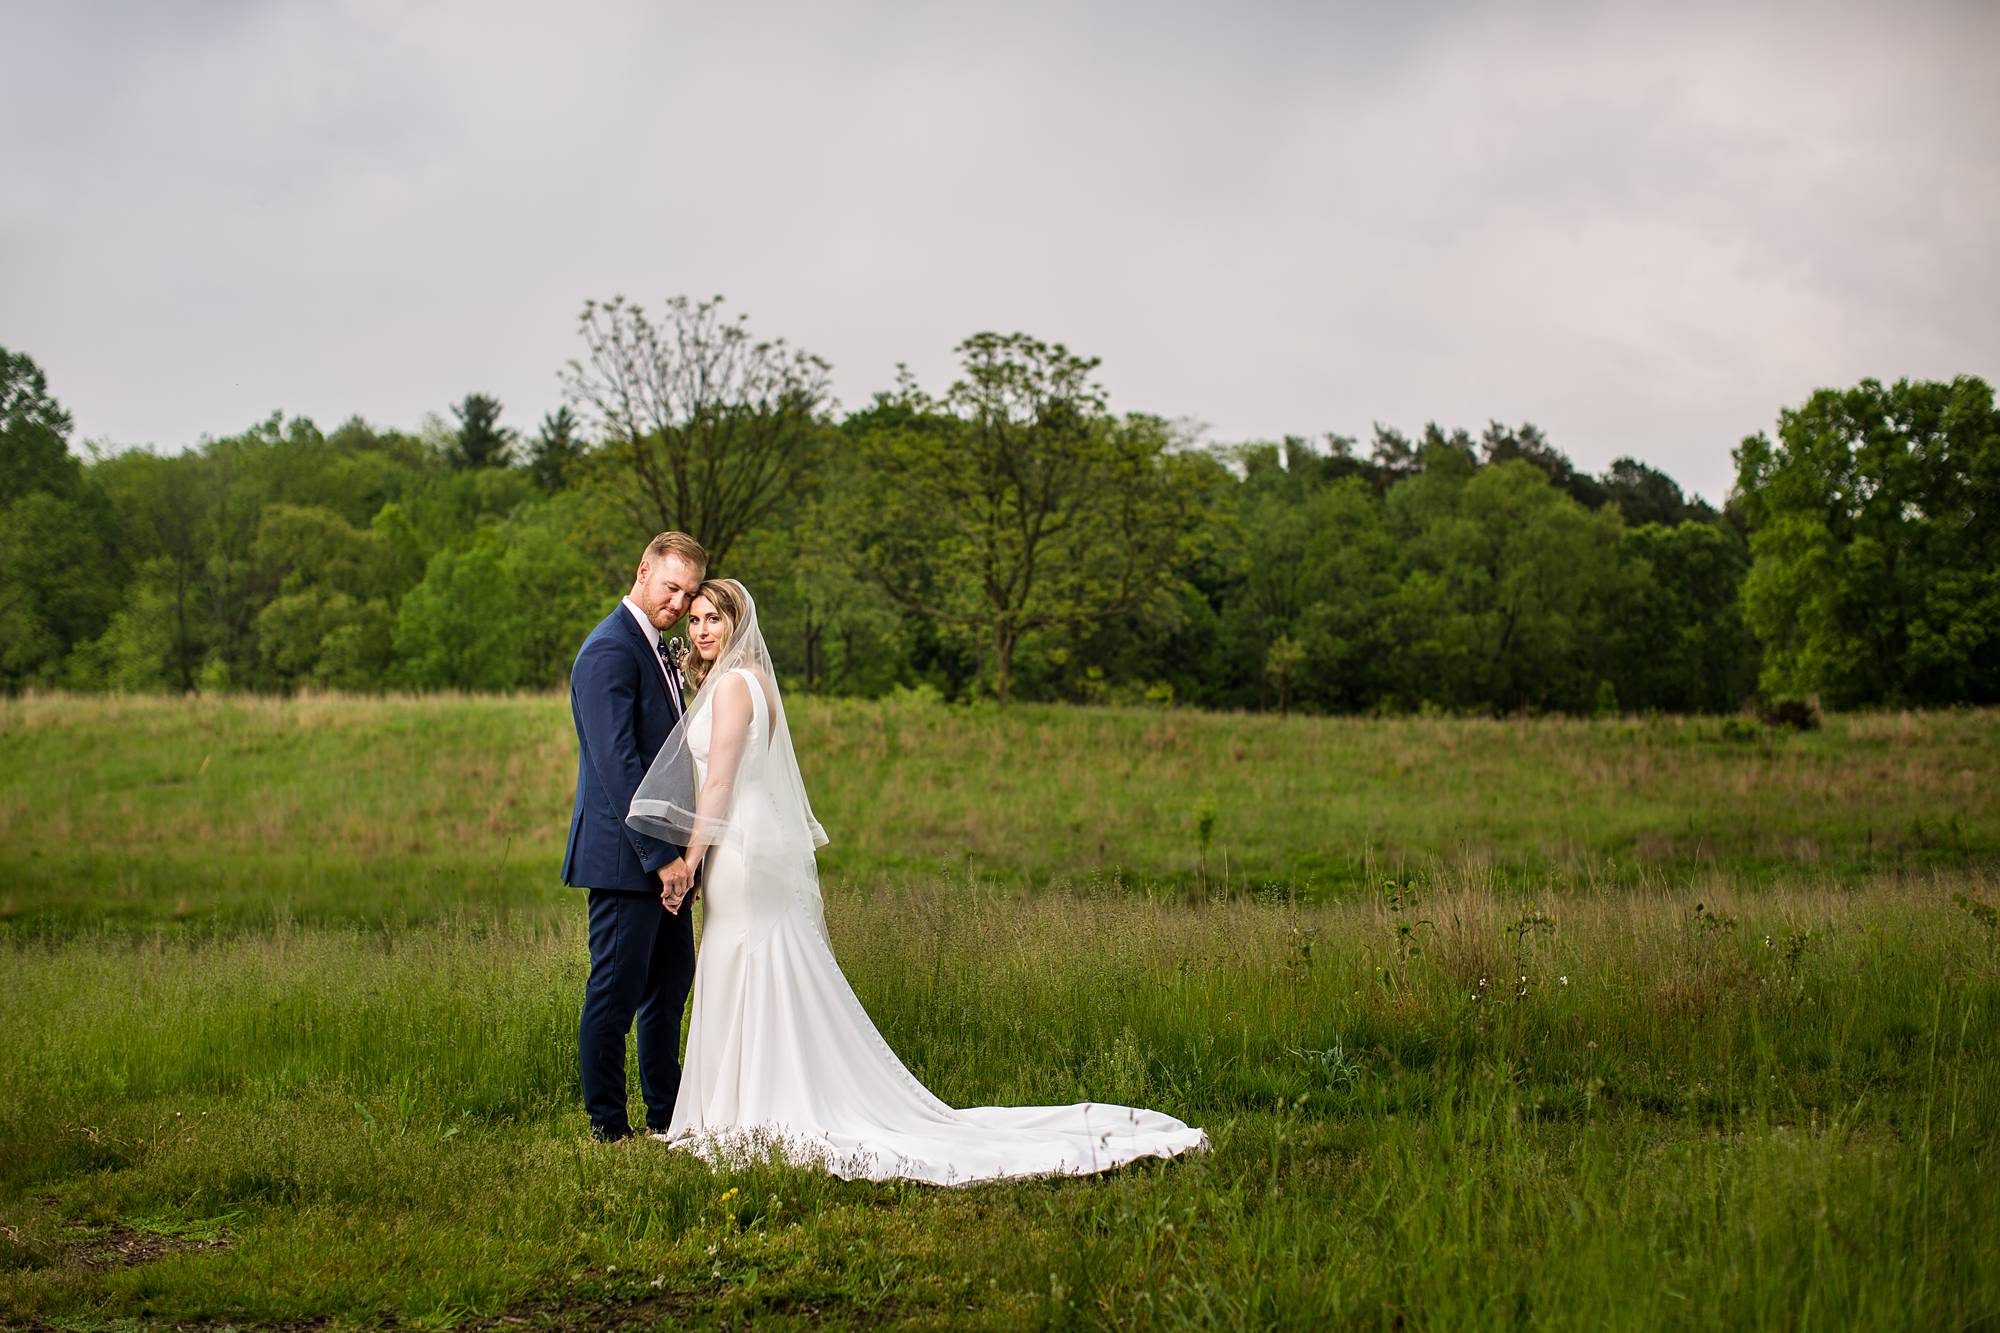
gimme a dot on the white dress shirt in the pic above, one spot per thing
(653, 638)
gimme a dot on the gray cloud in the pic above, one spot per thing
(1645, 229)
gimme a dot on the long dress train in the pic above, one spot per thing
(780, 1052)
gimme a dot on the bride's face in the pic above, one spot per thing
(707, 628)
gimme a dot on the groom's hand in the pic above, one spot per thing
(676, 877)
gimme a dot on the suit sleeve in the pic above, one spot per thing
(605, 683)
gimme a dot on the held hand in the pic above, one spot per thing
(676, 877)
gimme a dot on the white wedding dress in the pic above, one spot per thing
(781, 1054)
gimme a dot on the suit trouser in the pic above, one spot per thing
(641, 966)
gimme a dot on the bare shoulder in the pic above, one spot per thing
(756, 679)
(732, 692)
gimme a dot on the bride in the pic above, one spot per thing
(780, 1052)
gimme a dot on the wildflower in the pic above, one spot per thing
(1482, 983)
(730, 1193)
(1564, 979)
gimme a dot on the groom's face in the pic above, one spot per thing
(663, 589)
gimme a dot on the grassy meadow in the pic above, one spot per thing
(1566, 1024)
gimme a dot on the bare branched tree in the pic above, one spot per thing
(719, 428)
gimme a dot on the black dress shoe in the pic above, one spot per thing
(603, 1135)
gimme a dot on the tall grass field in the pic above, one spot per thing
(1557, 1024)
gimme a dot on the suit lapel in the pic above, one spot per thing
(649, 658)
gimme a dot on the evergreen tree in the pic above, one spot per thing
(555, 452)
(481, 440)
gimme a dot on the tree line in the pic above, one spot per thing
(1010, 535)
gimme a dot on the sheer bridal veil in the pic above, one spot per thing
(744, 783)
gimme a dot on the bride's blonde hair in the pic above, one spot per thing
(721, 594)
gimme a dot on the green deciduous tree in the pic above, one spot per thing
(1312, 562)
(330, 623)
(1501, 444)
(1513, 578)
(58, 573)
(829, 627)
(57, 588)
(1646, 495)
(322, 636)
(1016, 503)
(508, 609)
(34, 434)
(1875, 544)
(164, 507)
(1675, 640)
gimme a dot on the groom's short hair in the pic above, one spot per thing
(680, 544)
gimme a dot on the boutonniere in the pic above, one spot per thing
(677, 651)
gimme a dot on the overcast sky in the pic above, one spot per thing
(1645, 228)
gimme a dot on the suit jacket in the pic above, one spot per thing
(624, 713)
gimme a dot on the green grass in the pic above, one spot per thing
(222, 813)
(293, 1037)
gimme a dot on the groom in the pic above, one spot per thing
(626, 698)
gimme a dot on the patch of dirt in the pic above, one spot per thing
(121, 1246)
(108, 1248)
(241, 1326)
(583, 1312)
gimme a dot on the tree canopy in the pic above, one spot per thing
(1875, 544)
(1011, 535)
(1016, 504)
(717, 430)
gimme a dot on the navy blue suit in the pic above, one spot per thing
(641, 955)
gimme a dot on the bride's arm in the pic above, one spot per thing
(728, 737)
